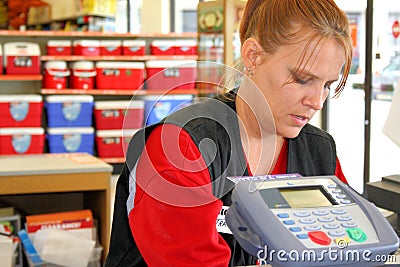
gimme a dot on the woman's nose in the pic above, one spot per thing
(315, 98)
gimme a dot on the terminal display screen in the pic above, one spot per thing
(306, 197)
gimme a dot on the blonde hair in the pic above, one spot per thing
(276, 23)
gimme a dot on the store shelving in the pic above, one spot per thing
(48, 91)
(53, 34)
(17, 77)
(118, 58)
(32, 84)
(41, 37)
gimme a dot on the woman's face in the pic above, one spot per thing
(295, 99)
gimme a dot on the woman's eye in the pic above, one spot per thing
(328, 86)
(300, 81)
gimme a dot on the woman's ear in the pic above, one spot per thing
(251, 49)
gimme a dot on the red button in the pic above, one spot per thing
(319, 237)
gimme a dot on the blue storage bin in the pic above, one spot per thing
(70, 140)
(158, 107)
(69, 110)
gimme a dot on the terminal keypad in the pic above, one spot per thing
(322, 226)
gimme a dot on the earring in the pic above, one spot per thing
(250, 72)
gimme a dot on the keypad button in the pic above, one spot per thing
(307, 221)
(345, 201)
(312, 228)
(341, 196)
(302, 236)
(289, 222)
(338, 211)
(302, 213)
(344, 218)
(357, 234)
(319, 237)
(331, 226)
(283, 215)
(320, 212)
(332, 186)
(295, 229)
(326, 219)
(349, 225)
(336, 233)
(336, 191)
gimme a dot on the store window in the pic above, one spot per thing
(347, 113)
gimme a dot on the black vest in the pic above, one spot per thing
(213, 126)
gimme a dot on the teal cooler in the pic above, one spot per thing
(69, 110)
(158, 107)
(71, 140)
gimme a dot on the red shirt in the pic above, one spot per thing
(174, 217)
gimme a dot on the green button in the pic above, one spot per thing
(357, 234)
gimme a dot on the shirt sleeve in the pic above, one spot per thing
(339, 173)
(174, 217)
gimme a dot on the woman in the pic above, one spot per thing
(293, 51)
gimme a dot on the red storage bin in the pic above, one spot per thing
(22, 58)
(59, 47)
(110, 47)
(112, 114)
(162, 47)
(1, 59)
(134, 47)
(86, 47)
(113, 143)
(21, 110)
(21, 141)
(185, 47)
(171, 74)
(119, 75)
(56, 75)
(82, 75)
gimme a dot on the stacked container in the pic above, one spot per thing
(116, 122)
(119, 75)
(110, 47)
(134, 47)
(83, 75)
(69, 119)
(20, 126)
(157, 108)
(86, 47)
(173, 47)
(22, 58)
(56, 75)
(171, 74)
(59, 47)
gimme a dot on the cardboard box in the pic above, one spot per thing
(39, 14)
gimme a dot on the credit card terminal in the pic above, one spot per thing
(308, 221)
